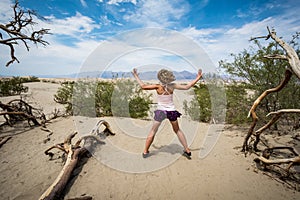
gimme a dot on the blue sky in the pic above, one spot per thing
(117, 35)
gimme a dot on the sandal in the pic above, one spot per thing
(187, 155)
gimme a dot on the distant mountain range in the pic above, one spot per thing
(152, 75)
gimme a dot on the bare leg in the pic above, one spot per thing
(180, 135)
(151, 136)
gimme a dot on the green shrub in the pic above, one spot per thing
(64, 96)
(208, 103)
(237, 104)
(128, 100)
(199, 109)
(262, 74)
(83, 98)
(12, 86)
(120, 97)
(103, 97)
(29, 79)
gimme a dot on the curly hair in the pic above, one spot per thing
(165, 76)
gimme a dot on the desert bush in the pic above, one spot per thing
(64, 96)
(120, 97)
(208, 103)
(128, 100)
(199, 109)
(238, 104)
(29, 79)
(104, 92)
(12, 86)
(261, 74)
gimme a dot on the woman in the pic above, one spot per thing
(166, 108)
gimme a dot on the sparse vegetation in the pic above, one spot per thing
(120, 97)
(14, 86)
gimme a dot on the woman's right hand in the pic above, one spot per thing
(134, 71)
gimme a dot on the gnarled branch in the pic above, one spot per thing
(252, 112)
(17, 31)
(265, 158)
(276, 115)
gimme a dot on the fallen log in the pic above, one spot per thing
(74, 152)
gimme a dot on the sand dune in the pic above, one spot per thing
(117, 169)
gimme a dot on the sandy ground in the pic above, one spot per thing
(117, 169)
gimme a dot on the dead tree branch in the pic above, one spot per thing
(276, 56)
(265, 158)
(74, 152)
(291, 54)
(274, 119)
(19, 110)
(252, 112)
(17, 30)
(294, 68)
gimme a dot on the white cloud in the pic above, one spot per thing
(6, 11)
(73, 26)
(55, 59)
(202, 35)
(219, 43)
(159, 13)
(83, 3)
(116, 2)
(148, 47)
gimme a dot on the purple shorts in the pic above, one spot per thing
(160, 115)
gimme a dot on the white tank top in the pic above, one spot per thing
(165, 101)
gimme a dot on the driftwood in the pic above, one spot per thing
(279, 169)
(74, 153)
(294, 68)
(19, 110)
(265, 158)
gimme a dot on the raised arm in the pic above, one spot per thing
(190, 84)
(141, 83)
